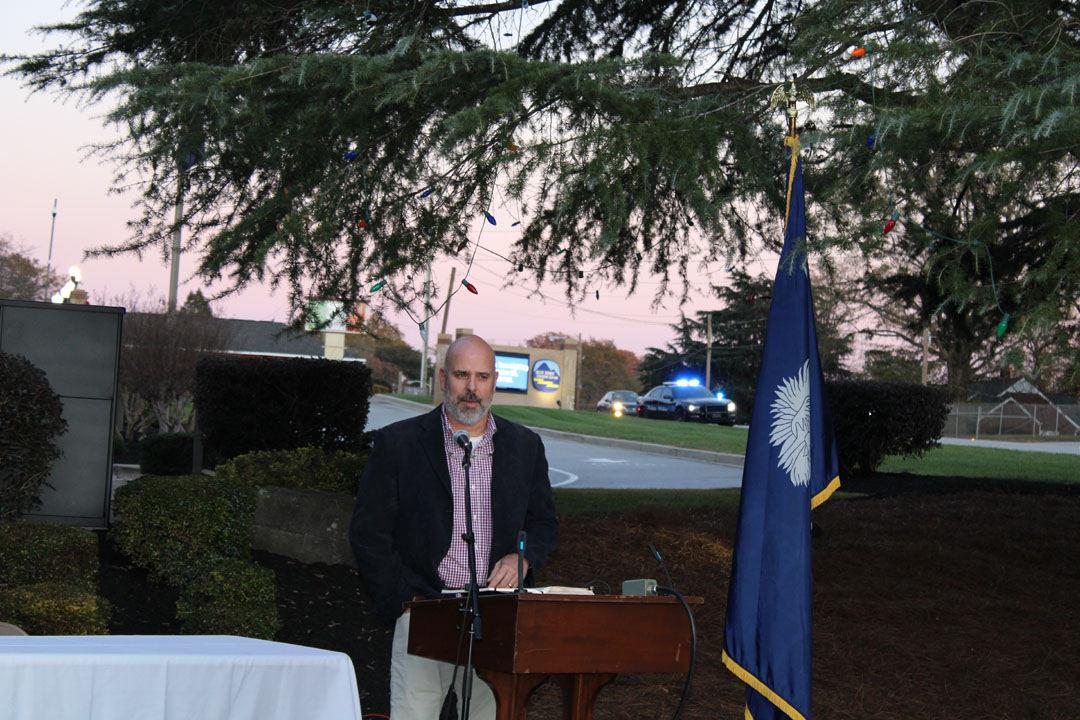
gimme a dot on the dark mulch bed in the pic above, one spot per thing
(934, 598)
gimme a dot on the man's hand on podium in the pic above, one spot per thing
(504, 574)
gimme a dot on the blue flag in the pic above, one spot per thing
(791, 467)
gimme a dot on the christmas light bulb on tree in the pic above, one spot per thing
(891, 223)
(490, 218)
(858, 52)
(470, 287)
(1003, 325)
(377, 286)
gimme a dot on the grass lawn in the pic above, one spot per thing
(663, 432)
(988, 463)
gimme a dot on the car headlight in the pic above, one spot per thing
(617, 406)
(691, 408)
(731, 407)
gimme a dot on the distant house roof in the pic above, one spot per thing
(265, 338)
(990, 390)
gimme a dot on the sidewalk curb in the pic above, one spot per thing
(718, 458)
(708, 456)
(402, 401)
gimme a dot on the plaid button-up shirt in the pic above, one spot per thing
(454, 568)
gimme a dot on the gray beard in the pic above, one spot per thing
(467, 417)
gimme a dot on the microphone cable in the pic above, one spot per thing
(669, 589)
(693, 647)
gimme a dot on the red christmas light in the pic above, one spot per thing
(363, 224)
(858, 52)
(470, 287)
(891, 223)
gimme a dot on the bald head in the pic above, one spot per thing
(472, 346)
(468, 382)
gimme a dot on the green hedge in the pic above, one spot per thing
(166, 454)
(177, 527)
(248, 404)
(52, 608)
(235, 597)
(194, 532)
(42, 552)
(304, 468)
(876, 419)
(31, 419)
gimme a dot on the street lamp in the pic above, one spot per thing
(64, 295)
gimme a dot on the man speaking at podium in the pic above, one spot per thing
(409, 517)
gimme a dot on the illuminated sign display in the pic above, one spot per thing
(546, 375)
(513, 372)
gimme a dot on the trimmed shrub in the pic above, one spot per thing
(52, 608)
(304, 468)
(167, 454)
(876, 419)
(42, 552)
(30, 421)
(178, 527)
(248, 404)
(235, 597)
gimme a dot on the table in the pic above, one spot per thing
(172, 677)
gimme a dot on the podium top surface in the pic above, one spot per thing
(534, 633)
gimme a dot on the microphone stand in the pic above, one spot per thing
(472, 608)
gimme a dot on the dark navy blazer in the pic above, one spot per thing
(403, 517)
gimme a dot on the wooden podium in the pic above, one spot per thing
(583, 640)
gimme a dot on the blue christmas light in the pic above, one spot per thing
(490, 218)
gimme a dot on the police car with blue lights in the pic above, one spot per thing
(687, 400)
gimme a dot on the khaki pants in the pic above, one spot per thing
(418, 685)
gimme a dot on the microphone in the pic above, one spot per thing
(521, 561)
(463, 440)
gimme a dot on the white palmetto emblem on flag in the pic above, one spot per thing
(791, 425)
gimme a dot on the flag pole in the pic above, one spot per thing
(790, 467)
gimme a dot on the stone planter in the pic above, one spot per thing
(306, 525)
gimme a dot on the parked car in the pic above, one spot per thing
(618, 402)
(687, 400)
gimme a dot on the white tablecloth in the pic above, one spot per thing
(172, 677)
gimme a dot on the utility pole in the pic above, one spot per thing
(708, 352)
(48, 262)
(178, 216)
(424, 327)
(580, 360)
(449, 297)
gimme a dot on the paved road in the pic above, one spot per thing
(584, 465)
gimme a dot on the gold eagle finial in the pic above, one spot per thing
(789, 96)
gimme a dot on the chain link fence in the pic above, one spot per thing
(1012, 418)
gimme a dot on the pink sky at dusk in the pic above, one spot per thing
(44, 158)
